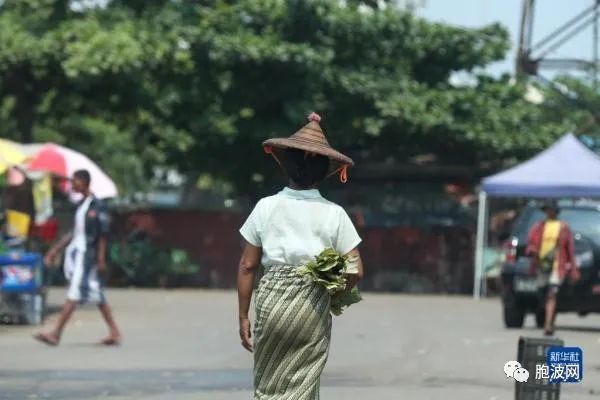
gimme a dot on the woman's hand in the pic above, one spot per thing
(357, 269)
(246, 272)
(245, 333)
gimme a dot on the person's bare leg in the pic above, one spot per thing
(53, 337)
(550, 313)
(114, 336)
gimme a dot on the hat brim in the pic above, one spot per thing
(310, 146)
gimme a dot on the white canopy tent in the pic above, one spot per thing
(565, 169)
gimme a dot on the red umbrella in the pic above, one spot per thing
(63, 161)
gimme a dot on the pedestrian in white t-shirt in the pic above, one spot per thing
(85, 260)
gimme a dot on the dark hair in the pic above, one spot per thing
(83, 175)
(550, 205)
(305, 169)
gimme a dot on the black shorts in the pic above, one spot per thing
(549, 283)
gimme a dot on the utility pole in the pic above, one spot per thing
(595, 47)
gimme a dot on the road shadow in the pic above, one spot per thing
(568, 328)
(588, 329)
(92, 384)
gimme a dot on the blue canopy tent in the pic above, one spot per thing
(565, 169)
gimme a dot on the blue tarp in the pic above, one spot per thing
(565, 169)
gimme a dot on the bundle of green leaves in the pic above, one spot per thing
(330, 269)
(343, 299)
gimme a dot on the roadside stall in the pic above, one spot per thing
(29, 175)
(21, 275)
(27, 226)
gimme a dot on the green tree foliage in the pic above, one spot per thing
(575, 102)
(197, 85)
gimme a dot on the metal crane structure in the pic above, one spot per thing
(532, 58)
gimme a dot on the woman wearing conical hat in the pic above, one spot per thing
(292, 328)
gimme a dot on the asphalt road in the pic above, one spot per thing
(183, 345)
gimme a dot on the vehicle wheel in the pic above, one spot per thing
(540, 318)
(582, 313)
(514, 313)
(5, 319)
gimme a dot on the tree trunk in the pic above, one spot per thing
(25, 110)
(22, 85)
(25, 117)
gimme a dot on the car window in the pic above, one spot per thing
(584, 221)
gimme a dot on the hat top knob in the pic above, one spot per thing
(314, 117)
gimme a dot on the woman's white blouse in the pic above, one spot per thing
(293, 226)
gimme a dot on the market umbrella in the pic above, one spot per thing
(10, 154)
(63, 161)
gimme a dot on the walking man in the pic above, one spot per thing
(85, 259)
(550, 246)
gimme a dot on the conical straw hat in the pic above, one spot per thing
(312, 139)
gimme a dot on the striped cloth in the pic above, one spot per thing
(292, 333)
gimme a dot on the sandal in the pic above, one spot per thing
(46, 339)
(549, 332)
(110, 341)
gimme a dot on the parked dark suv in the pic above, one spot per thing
(521, 293)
